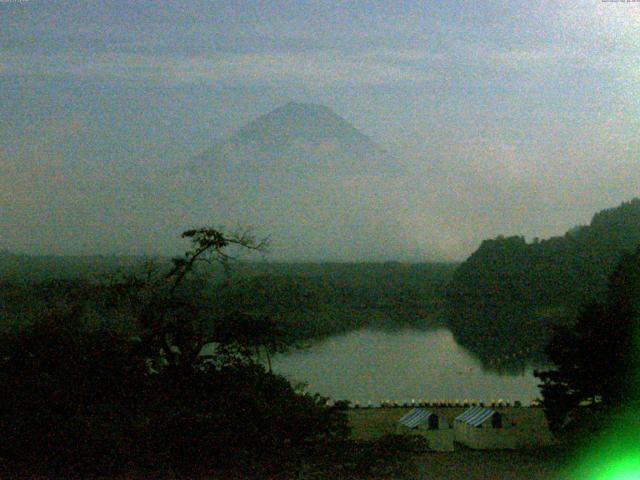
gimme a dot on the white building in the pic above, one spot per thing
(484, 428)
(433, 427)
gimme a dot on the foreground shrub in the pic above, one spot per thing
(80, 400)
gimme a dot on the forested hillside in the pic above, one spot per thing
(315, 300)
(502, 300)
(500, 303)
(307, 300)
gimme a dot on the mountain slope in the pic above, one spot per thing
(503, 298)
(307, 138)
(312, 181)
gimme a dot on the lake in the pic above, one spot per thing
(371, 365)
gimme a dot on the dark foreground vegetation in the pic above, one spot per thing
(110, 379)
(596, 375)
(103, 371)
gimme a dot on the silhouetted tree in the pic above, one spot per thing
(79, 397)
(249, 335)
(596, 359)
(172, 318)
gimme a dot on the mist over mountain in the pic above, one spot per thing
(322, 189)
(299, 138)
(122, 126)
(99, 167)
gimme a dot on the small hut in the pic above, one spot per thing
(433, 427)
(484, 428)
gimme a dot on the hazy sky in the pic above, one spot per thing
(508, 117)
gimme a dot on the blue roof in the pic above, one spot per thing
(415, 417)
(468, 413)
(475, 416)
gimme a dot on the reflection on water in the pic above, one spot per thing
(368, 365)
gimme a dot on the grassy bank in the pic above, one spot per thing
(372, 423)
(546, 462)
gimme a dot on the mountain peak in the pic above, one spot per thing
(298, 121)
(294, 106)
(305, 111)
(299, 136)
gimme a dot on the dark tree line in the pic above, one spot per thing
(504, 299)
(597, 359)
(84, 395)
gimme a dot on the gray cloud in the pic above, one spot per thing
(510, 117)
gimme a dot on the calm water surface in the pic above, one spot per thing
(369, 365)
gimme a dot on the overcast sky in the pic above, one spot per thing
(514, 117)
